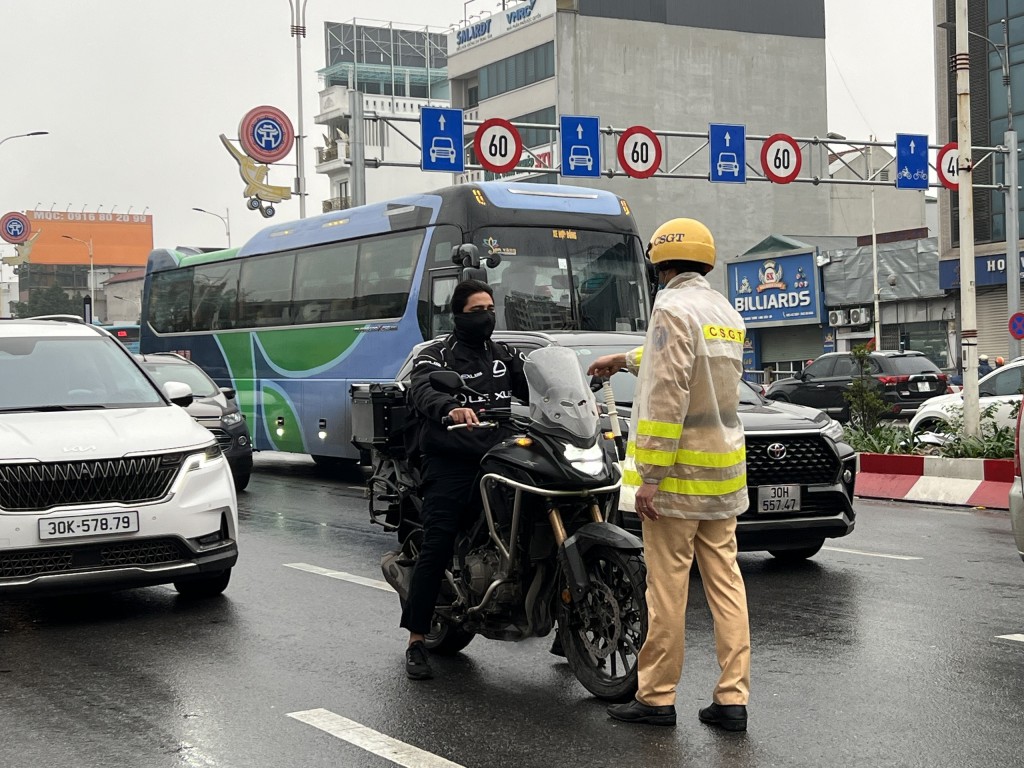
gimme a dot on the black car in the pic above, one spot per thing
(800, 473)
(212, 406)
(904, 379)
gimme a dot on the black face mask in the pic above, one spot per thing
(474, 327)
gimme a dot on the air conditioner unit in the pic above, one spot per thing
(860, 316)
(838, 317)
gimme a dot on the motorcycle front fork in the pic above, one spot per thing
(555, 518)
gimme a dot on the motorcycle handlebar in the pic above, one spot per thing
(481, 425)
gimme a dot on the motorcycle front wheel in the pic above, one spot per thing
(602, 632)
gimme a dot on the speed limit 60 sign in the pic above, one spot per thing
(497, 145)
(639, 152)
(781, 158)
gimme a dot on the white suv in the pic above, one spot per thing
(105, 482)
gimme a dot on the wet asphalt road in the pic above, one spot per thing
(859, 659)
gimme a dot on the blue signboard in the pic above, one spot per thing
(911, 161)
(580, 139)
(780, 290)
(728, 153)
(988, 270)
(441, 140)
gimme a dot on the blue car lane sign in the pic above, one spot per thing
(441, 140)
(727, 144)
(911, 161)
(580, 140)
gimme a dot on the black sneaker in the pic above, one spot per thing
(731, 717)
(417, 662)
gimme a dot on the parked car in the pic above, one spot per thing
(212, 406)
(793, 452)
(999, 390)
(104, 482)
(1017, 492)
(904, 379)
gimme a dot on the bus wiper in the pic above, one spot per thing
(50, 408)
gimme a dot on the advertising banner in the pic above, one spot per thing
(118, 239)
(777, 290)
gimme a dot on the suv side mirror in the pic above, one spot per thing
(178, 393)
(228, 392)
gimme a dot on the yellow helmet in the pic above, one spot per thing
(682, 240)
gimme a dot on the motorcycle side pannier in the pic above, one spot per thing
(380, 417)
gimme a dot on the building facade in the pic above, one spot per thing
(396, 70)
(990, 119)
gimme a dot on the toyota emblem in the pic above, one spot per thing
(776, 451)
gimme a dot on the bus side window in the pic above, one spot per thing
(325, 284)
(265, 288)
(441, 290)
(215, 297)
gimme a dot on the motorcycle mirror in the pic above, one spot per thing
(447, 381)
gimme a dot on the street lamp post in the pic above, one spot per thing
(299, 32)
(23, 135)
(225, 219)
(92, 270)
(1010, 179)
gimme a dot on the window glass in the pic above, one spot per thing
(215, 296)
(1004, 383)
(201, 384)
(170, 298)
(325, 280)
(908, 366)
(384, 274)
(441, 290)
(844, 367)
(820, 368)
(265, 290)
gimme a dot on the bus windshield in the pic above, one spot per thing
(565, 279)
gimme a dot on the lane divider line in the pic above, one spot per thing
(871, 554)
(341, 575)
(370, 740)
(1015, 638)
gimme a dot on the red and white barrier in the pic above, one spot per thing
(930, 479)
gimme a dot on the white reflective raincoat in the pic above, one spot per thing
(685, 433)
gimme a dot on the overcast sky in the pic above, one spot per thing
(135, 93)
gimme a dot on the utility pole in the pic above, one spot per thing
(299, 32)
(968, 306)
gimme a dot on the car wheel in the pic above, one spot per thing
(795, 555)
(930, 425)
(241, 480)
(779, 398)
(207, 585)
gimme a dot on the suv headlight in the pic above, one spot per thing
(232, 418)
(834, 430)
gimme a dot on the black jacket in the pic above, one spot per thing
(494, 369)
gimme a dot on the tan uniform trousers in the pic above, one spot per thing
(670, 544)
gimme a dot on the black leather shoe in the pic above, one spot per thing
(731, 717)
(417, 663)
(635, 712)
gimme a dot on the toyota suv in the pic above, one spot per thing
(800, 472)
(106, 482)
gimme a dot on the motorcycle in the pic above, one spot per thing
(541, 550)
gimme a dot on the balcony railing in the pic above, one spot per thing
(337, 204)
(326, 154)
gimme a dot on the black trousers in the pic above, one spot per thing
(449, 505)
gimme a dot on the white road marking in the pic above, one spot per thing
(373, 741)
(1015, 638)
(382, 585)
(871, 554)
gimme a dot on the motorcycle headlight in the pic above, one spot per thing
(834, 430)
(231, 418)
(589, 461)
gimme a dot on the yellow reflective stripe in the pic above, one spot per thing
(707, 459)
(649, 456)
(659, 429)
(634, 356)
(691, 487)
(691, 458)
(723, 333)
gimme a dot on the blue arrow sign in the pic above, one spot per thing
(580, 139)
(441, 140)
(728, 153)
(911, 161)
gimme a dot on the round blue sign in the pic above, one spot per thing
(1017, 325)
(268, 134)
(15, 228)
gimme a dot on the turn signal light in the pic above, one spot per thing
(609, 435)
(523, 442)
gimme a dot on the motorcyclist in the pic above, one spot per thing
(451, 459)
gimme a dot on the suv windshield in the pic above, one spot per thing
(186, 373)
(909, 365)
(554, 279)
(53, 373)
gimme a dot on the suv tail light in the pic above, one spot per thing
(893, 380)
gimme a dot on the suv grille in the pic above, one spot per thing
(808, 460)
(35, 486)
(90, 557)
(223, 438)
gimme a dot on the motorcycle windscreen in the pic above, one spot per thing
(560, 397)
